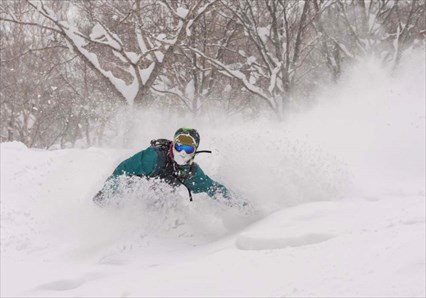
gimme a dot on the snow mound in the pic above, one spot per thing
(19, 146)
(251, 243)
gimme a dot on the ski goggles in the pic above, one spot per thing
(187, 148)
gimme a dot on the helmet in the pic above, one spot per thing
(187, 136)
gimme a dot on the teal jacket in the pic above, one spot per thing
(156, 162)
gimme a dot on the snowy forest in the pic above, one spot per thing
(67, 67)
(310, 115)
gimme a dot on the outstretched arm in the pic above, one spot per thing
(200, 182)
(142, 163)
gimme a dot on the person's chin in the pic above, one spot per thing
(181, 161)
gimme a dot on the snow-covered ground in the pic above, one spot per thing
(338, 195)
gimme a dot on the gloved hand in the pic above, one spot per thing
(99, 199)
(236, 201)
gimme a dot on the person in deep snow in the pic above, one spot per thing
(173, 162)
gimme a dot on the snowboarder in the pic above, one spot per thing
(173, 162)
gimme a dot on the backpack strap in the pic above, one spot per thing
(164, 145)
(189, 191)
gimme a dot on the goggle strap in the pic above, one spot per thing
(203, 151)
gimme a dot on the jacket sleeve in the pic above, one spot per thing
(200, 182)
(142, 163)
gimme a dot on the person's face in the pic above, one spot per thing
(183, 149)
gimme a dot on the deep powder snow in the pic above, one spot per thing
(338, 200)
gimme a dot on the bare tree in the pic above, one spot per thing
(382, 28)
(130, 79)
(278, 46)
(66, 66)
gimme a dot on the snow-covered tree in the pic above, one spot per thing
(67, 65)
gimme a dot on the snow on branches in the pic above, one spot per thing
(141, 68)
